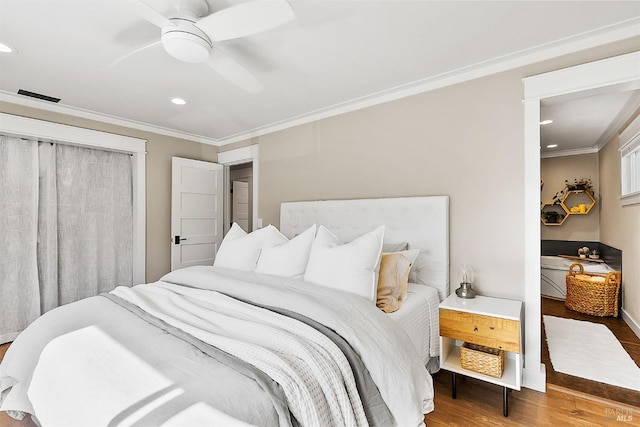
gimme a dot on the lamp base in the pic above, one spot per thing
(465, 291)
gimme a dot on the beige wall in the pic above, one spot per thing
(608, 222)
(620, 228)
(555, 171)
(160, 149)
(465, 141)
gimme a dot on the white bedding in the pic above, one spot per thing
(389, 355)
(418, 316)
(422, 223)
(325, 391)
(387, 351)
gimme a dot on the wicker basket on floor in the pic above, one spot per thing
(592, 293)
(478, 358)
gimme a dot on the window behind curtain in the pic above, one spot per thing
(19, 294)
(92, 251)
(73, 209)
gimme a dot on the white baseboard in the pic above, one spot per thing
(535, 379)
(632, 323)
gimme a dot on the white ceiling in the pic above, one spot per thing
(335, 56)
(585, 124)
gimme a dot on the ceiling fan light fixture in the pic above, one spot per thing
(186, 47)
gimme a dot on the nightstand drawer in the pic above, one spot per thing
(480, 329)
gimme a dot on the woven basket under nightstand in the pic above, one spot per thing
(592, 293)
(486, 360)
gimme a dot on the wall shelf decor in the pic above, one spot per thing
(553, 214)
(581, 202)
(572, 202)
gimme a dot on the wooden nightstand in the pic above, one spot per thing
(491, 322)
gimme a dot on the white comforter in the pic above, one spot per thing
(314, 373)
(137, 365)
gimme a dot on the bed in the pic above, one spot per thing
(228, 345)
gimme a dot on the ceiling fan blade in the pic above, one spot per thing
(148, 13)
(231, 70)
(140, 49)
(246, 19)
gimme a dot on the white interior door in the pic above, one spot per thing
(196, 212)
(241, 204)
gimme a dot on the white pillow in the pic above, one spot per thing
(240, 250)
(411, 255)
(350, 267)
(288, 259)
(394, 247)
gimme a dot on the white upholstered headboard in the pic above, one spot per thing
(422, 222)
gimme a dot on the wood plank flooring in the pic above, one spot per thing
(6, 420)
(480, 404)
(620, 329)
(3, 350)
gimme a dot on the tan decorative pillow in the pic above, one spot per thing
(392, 283)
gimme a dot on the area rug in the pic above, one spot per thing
(591, 351)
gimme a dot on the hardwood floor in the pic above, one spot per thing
(480, 404)
(6, 420)
(620, 329)
(3, 350)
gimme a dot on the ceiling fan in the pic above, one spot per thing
(190, 33)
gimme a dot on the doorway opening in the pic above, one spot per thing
(579, 156)
(240, 185)
(242, 158)
(605, 76)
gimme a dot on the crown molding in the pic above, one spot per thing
(101, 117)
(615, 127)
(613, 33)
(575, 152)
(630, 134)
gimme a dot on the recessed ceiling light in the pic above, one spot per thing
(5, 48)
(546, 122)
(178, 101)
(552, 145)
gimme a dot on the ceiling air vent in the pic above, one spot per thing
(38, 95)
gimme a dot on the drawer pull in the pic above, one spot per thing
(492, 327)
(475, 329)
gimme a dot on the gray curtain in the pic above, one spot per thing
(19, 293)
(80, 227)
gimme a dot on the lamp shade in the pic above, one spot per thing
(466, 275)
(466, 279)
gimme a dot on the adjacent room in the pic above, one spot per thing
(583, 222)
(389, 213)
